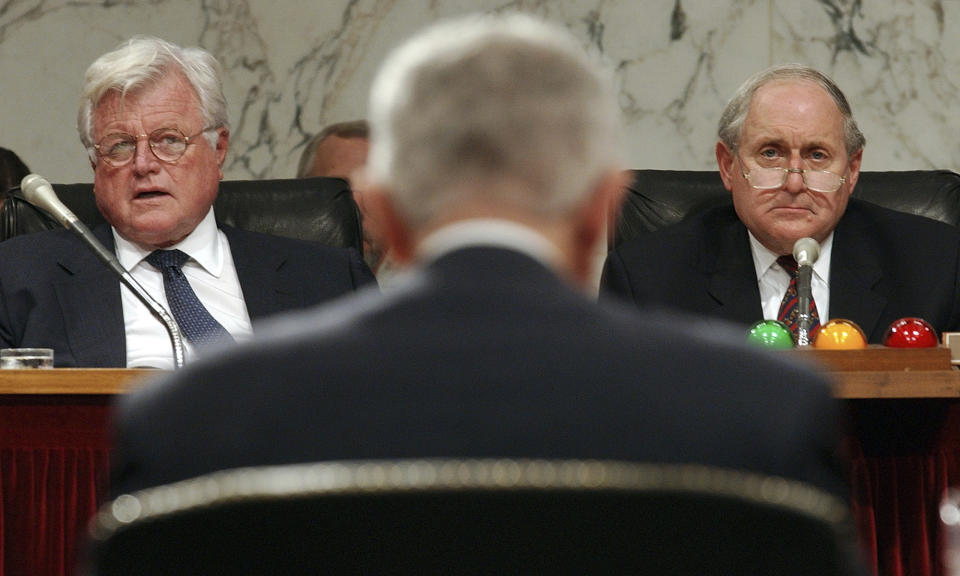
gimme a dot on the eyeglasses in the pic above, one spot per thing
(167, 144)
(771, 178)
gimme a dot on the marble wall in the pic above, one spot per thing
(293, 65)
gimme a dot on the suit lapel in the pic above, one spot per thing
(258, 269)
(854, 272)
(732, 275)
(89, 298)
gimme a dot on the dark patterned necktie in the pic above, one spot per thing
(790, 305)
(194, 320)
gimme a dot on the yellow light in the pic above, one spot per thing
(840, 334)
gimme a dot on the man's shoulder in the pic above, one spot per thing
(330, 270)
(40, 245)
(867, 226)
(282, 245)
(863, 212)
(702, 228)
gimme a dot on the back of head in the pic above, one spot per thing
(12, 171)
(142, 61)
(735, 113)
(482, 107)
(349, 130)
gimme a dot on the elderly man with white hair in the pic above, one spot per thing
(493, 165)
(153, 119)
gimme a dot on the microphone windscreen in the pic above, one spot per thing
(806, 251)
(37, 191)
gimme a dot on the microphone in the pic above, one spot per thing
(805, 252)
(38, 192)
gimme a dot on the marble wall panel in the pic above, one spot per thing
(291, 66)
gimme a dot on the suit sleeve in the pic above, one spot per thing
(360, 273)
(954, 323)
(6, 336)
(11, 269)
(615, 281)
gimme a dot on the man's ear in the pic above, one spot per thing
(725, 159)
(397, 236)
(596, 216)
(223, 142)
(603, 205)
(853, 171)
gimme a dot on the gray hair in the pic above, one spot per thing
(142, 61)
(731, 122)
(348, 129)
(480, 107)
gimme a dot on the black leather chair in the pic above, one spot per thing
(315, 209)
(658, 198)
(475, 517)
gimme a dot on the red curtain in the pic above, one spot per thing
(54, 463)
(906, 454)
(54, 467)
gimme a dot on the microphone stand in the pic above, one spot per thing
(40, 193)
(111, 262)
(804, 295)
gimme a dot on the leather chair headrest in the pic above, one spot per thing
(315, 209)
(658, 198)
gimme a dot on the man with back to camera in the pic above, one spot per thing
(340, 151)
(789, 151)
(154, 121)
(490, 346)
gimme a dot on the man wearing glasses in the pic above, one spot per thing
(789, 152)
(153, 119)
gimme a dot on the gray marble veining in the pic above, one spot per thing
(291, 66)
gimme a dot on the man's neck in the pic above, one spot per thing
(490, 232)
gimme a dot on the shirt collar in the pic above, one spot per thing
(491, 232)
(763, 258)
(202, 245)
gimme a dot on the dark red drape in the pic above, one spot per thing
(54, 462)
(906, 454)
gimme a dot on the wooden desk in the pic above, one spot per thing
(878, 372)
(111, 381)
(55, 459)
(54, 462)
(70, 381)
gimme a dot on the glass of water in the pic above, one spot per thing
(26, 358)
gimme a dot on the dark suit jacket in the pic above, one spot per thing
(54, 293)
(485, 353)
(885, 265)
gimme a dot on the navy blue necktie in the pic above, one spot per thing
(790, 305)
(194, 320)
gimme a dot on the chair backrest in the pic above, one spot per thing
(658, 198)
(316, 209)
(473, 517)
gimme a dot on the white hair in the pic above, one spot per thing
(735, 113)
(503, 108)
(142, 61)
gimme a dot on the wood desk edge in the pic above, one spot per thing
(847, 385)
(72, 380)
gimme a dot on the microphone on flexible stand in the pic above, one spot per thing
(805, 252)
(37, 191)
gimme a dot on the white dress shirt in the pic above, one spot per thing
(491, 232)
(774, 280)
(210, 272)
